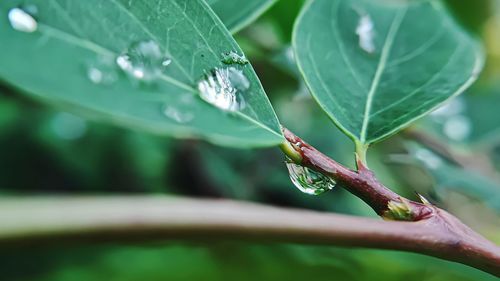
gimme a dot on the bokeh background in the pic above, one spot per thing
(44, 151)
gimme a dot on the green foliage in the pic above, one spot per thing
(448, 178)
(231, 261)
(51, 63)
(375, 67)
(43, 150)
(237, 14)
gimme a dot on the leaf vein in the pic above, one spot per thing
(389, 40)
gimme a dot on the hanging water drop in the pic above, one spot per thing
(143, 61)
(309, 181)
(177, 114)
(22, 20)
(218, 88)
(234, 58)
(366, 33)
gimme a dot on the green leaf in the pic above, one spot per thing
(52, 64)
(236, 14)
(407, 59)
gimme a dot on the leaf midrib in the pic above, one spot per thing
(389, 40)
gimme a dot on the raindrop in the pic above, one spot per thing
(68, 126)
(143, 61)
(365, 31)
(238, 79)
(457, 127)
(102, 71)
(221, 88)
(22, 20)
(177, 114)
(234, 58)
(309, 181)
(166, 62)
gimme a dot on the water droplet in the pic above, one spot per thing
(177, 114)
(102, 71)
(68, 126)
(234, 58)
(166, 62)
(238, 79)
(22, 20)
(221, 87)
(428, 158)
(309, 181)
(143, 61)
(457, 127)
(366, 32)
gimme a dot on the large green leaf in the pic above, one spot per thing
(375, 66)
(236, 14)
(51, 64)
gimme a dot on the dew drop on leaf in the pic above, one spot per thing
(222, 88)
(366, 33)
(177, 115)
(102, 71)
(309, 181)
(234, 58)
(143, 61)
(238, 79)
(22, 20)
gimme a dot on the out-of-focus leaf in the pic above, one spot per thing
(472, 14)
(451, 178)
(236, 14)
(482, 109)
(71, 35)
(470, 120)
(230, 261)
(376, 66)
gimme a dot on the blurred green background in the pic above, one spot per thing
(45, 151)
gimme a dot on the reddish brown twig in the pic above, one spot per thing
(454, 240)
(361, 183)
(59, 220)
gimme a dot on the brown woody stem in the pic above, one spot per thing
(432, 231)
(120, 219)
(462, 243)
(361, 183)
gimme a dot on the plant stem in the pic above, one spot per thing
(361, 183)
(92, 219)
(361, 150)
